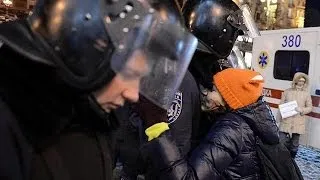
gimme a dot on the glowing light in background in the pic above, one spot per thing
(7, 2)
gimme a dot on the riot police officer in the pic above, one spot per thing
(217, 25)
(182, 115)
(66, 68)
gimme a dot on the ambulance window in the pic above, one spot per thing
(287, 63)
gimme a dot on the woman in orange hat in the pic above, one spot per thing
(228, 151)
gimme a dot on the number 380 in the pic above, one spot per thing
(290, 41)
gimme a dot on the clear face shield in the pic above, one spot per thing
(235, 59)
(156, 52)
(243, 20)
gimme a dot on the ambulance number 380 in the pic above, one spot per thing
(291, 41)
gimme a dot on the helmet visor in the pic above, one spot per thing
(236, 60)
(158, 53)
(243, 20)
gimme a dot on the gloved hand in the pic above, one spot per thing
(299, 110)
(149, 112)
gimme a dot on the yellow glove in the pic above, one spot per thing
(156, 130)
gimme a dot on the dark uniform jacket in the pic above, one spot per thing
(228, 151)
(47, 131)
(183, 116)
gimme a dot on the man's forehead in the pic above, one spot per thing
(138, 62)
(138, 59)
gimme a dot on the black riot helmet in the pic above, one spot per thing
(90, 41)
(216, 24)
(169, 10)
(209, 21)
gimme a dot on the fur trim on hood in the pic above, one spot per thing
(298, 76)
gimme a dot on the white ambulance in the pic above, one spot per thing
(277, 55)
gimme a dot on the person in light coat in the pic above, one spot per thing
(292, 127)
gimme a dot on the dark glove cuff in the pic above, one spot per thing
(162, 152)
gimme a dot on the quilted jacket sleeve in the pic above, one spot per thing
(207, 161)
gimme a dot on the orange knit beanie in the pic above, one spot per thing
(239, 87)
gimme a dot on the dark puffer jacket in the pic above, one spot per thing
(228, 151)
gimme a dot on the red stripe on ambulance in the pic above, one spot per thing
(276, 93)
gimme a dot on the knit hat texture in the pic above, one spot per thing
(239, 87)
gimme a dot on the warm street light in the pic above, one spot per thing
(7, 3)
